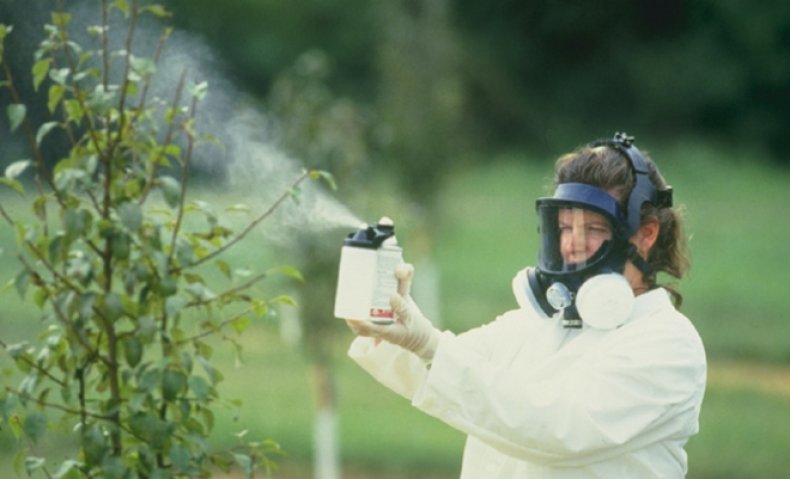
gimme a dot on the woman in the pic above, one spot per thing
(596, 374)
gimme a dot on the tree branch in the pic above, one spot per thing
(184, 180)
(62, 317)
(251, 226)
(168, 138)
(38, 368)
(214, 329)
(227, 293)
(59, 407)
(6, 217)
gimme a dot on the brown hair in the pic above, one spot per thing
(607, 168)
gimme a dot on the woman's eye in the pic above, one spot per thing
(599, 230)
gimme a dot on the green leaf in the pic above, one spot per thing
(43, 130)
(22, 232)
(4, 30)
(245, 462)
(238, 207)
(199, 90)
(325, 176)
(173, 382)
(76, 222)
(33, 464)
(157, 10)
(123, 6)
(172, 150)
(200, 387)
(74, 111)
(173, 304)
(131, 88)
(145, 67)
(240, 324)
(100, 99)
(290, 271)
(151, 379)
(19, 460)
(68, 470)
(35, 425)
(94, 445)
(16, 168)
(261, 308)
(131, 215)
(55, 95)
(96, 30)
(224, 268)
(121, 246)
(200, 292)
(179, 458)
(171, 189)
(14, 185)
(296, 194)
(132, 350)
(113, 306)
(146, 328)
(213, 374)
(57, 249)
(16, 115)
(114, 468)
(289, 300)
(40, 70)
(7, 405)
(40, 207)
(59, 75)
(69, 178)
(60, 19)
(40, 297)
(21, 282)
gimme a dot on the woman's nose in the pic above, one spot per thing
(579, 240)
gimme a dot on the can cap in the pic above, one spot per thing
(373, 236)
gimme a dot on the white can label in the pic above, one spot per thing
(387, 259)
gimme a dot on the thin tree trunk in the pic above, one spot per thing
(326, 448)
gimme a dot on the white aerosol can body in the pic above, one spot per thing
(366, 277)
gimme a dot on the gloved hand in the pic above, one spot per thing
(411, 329)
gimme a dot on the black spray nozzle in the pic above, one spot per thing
(373, 236)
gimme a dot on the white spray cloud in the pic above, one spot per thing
(247, 164)
(262, 172)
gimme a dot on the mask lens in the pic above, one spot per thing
(572, 238)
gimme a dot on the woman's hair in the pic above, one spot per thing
(608, 169)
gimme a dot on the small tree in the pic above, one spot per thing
(123, 357)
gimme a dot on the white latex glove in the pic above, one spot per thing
(411, 329)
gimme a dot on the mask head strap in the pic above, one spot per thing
(644, 189)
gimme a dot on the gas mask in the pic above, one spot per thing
(584, 246)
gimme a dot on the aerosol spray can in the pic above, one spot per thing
(366, 279)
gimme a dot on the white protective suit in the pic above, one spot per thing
(538, 400)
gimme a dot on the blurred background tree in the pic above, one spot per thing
(509, 74)
(538, 74)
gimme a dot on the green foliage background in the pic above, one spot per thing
(538, 72)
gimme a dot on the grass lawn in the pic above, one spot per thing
(735, 295)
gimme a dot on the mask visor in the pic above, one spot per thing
(578, 227)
